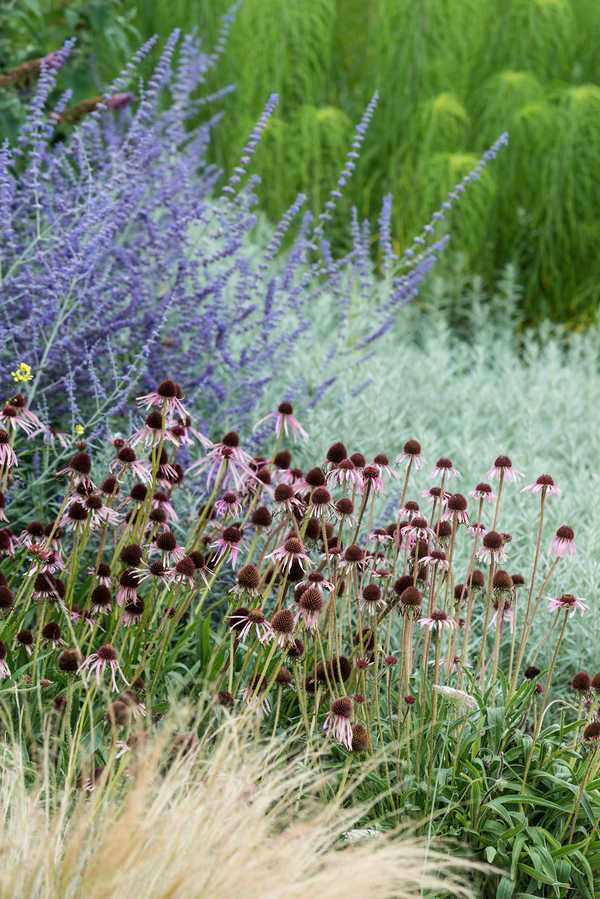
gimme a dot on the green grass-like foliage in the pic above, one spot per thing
(451, 77)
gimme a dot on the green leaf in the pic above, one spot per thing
(506, 888)
(490, 853)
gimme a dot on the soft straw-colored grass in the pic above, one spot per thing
(240, 821)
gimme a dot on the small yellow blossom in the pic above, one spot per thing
(79, 429)
(22, 373)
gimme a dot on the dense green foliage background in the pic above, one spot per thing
(451, 77)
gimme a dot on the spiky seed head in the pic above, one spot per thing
(70, 660)
(412, 448)
(131, 555)
(360, 738)
(371, 593)
(282, 621)
(493, 540)
(315, 477)
(24, 638)
(344, 506)
(342, 707)
(7, 600)
(581, 682)
(81, 463)
(293, 546)
(138, 492)
(596, 682)
(339, 667)
(107, 653)
(261, 517)
(354, 553)
(502, 580)
(477, 578)
(411, 597)
(502, 462)
(545, 480)
(592, 732)
(282, 460)
(358, 459)
(565, 532)
(518, 580)
(336, 453)
(186, 567)
(284, 677)
(444, 462)
(410, 699)
(312, 599)
(381, 459)
(321, 496)
(402, 584)
(283, 493)
(296, 649)
(248, 577)
(457, 502)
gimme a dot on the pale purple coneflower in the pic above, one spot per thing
(251, 621)
(345, 474)
(353, 558)
(79, 468)
(492, 547)
(167, 396)
(160, 500)
(128, 584)
(283, 623)
(229, 504)
(508, 616)
(284, 418)
(8, 458)
(434, 493)
(255, 694)
(25, 640)
(182, 429)
(291, 551)
(229, 540)
(483, 491)
(411, 451)
(51, 635)
(567, 601)
(165, 542)
(386, 469)
(309, 607)
(503, 465)
(152, 431)
(411, 508)
(184, 572)
(286, 501)
(133, 611)
(52, 434)
(370, 600)
(457, 506)
(98, 661)
(438, 620)
(563, 543)
(127, 461)
(10, 419)
(77, 615)
(476, 529)
(544, 483)
(444, 466)
(338, 720)
(317, 579)
(4, 669)
(381, 536)
(25, 417)
(436, 559)
(371, 474)
(417, 529)
(102, 574)
(227, 453)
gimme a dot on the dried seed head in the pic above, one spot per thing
(339, 668)
(565, 532)
(457, 502)
(77, 512)
(342, 707)
(312, 599)
(581, 682)
(231, 439)
(336, 453)
(518, 580)
(248, 577)
(231, 534)
(127, 455)
(158, 516)
(315, 477)
(293, 546)
(411, 597)
(109, 485)
(154, 420)
(358, 459)
(360, 738)
(264, 476)
(282, 621)
(313, 529)
(493, 540)
(261, 517)
(443, 529)
(282, 460)
(167, 389)
(81, 463)
(166, 541)
(596, 682)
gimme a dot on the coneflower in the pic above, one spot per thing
(291, 551)
(338, 721)
(503, 466)
(563, 543)
(545, 485)
(284, 419)
(4, 669)
(411, 451)
(98, 662)
(247, 621)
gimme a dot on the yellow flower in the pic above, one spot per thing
(79, 429)
(22, 373)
